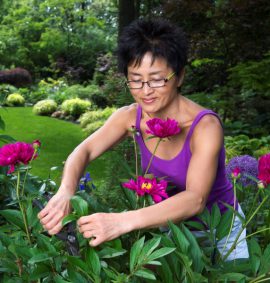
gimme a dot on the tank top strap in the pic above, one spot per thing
(138, 117)
(197, 120)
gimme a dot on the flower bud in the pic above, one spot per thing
(36, 144)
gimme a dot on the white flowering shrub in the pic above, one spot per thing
(45, 107)
(15, 99)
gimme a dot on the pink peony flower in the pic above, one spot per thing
(264, 169)
(236, 173)
(15, 153)
(162, 128)
(143, 186)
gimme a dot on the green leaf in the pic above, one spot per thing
(265, 261)
(92, 260)
(21, 251)
(166, 271)
(69, 218)
(186, 263)
(75, 276)
(130, 197)
(205, 217)
(134, 252)
(223, 227)
(59, 279)
(8, 265)
(2, 124)
(77, 262)
(215, 216)
(14, 217)
(154, 262)
(145, 273)
(39, 271)
(6, 138)
(255, 254)
(42, 257)
(179, 238)
(110, 273)
(147, 249)
(79, 205)
(195, 251)
(6, 240)
(44, 243)
(233, 276)
(108, 252)
(194, 224)
(160, 253)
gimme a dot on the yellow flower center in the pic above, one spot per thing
(147, 186)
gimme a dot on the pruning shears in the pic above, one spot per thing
(68, 232)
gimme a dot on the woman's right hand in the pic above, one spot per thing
(56, 209)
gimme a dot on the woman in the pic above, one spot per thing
(152, 56)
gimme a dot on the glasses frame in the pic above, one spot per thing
(171, 75)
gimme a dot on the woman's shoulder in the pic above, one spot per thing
(126, 114)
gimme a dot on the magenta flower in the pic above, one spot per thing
(16, 153)
(236, 173)
(264, 169)
(162, 128)
(143, 186)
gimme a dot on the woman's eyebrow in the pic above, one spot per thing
(152, 73)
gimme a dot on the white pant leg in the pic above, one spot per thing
(241, 249)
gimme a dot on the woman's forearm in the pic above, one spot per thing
(73, 170)
(177, 208)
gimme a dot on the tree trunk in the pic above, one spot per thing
(126, 13)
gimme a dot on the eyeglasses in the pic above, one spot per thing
(151, 83)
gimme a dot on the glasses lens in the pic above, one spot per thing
(134, 84)
(156, 83)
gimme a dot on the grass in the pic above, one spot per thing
(58, 138)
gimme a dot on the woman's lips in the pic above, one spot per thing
(148, 100)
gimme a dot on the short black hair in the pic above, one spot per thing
(157, 36)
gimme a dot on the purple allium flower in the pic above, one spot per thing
(248, 166)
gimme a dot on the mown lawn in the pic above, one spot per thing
(58, 139)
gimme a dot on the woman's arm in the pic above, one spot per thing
(207, 140)
(115, 129)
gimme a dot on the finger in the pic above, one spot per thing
(55, 220)
(56, 229)
(86, 227)
(44, 220)
(89, 234)
(95, 242)
(84, 220)
(43, 212)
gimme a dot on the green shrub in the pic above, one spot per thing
(92, 120)
(49, 89)
(45, 107)
(242, 145)
(75, 107)
(15, 99)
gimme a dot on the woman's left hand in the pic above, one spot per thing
(103, 227)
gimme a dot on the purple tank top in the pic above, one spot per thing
(176, 169)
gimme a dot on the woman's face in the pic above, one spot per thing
(153, 100)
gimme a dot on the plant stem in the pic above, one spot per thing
(22, 208)
(254, 200)
(233, 217)
(243, 228)
(136, 154)
(152, 156)
(26, 172)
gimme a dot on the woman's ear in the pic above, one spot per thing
(181, 77)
